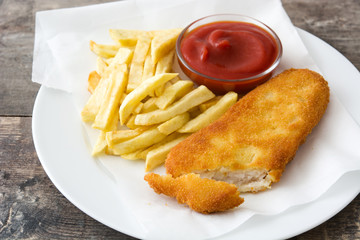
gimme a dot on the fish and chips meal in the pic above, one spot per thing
(214, 146)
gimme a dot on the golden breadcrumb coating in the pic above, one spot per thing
(201, 194)
(263, 130)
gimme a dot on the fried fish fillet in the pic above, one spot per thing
(250, 145)
(201, 194)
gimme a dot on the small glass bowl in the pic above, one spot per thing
(221, 86)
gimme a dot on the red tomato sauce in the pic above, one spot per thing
(229, 50)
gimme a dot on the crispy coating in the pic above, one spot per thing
(263, 130)
(201, 194)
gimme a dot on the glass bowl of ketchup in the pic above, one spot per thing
(228, 52)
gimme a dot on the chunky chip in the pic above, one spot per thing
(192, 99)
(116, 87)
(210, 114)
(149, 68)
(114, 137)
(134, 98)
(174, 124)
(125, 37)
(145, 139)
(101, 65)
(137, 64)
(157, 156)
(163, 42)
(106, 51)
(172, 93)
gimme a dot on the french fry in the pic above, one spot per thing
(164, 65)
(145, 139)
(137, 64)
(211, 114)
(159, 91)
(190, 100)
(108, 61)
(175, 80)
(157, 156)
(132, 155)
(209, 103)
(136, 71)
(194, 112)
(138, 108)
(123, 96)
(149, 71)
(142, 154)
(112, 98)
(142, 48)
(101, 145)
(125, 37)
(163, 42)
(149, 68)
(92, 106)
(174, 124)
(149, 105)
(109, 151)
(134, 98)
(177, 90)
(115, 137)
(131, 122)
(106, 51)
(123, 56)
(101, 65)
(93, 81)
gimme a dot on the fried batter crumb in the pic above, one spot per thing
(201, 194)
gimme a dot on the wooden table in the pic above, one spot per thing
(30, 205)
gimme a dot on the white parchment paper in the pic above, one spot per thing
(62, 60)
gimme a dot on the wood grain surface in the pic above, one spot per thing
(30, 205)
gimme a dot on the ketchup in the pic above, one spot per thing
(229, 50)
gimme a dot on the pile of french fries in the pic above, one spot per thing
(141, 108)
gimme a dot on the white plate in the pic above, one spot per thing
(59, 141)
